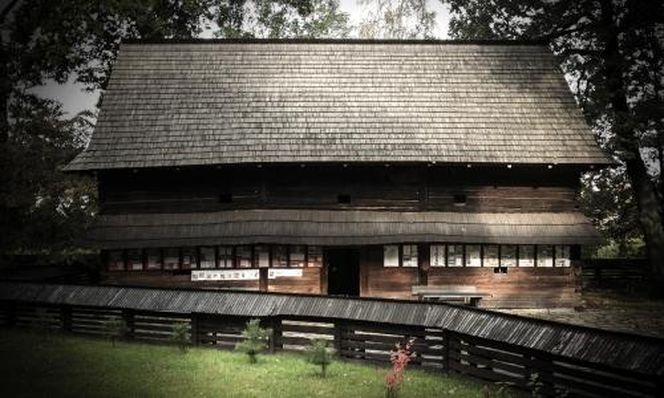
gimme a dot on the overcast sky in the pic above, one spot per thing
(75, 99)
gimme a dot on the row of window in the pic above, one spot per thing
(212, 257)
(455, 255)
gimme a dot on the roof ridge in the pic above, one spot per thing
(534, 42)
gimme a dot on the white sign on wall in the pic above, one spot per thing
(224, 275)
(275, 273)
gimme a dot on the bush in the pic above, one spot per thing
(318, 354)
(399, 357)
(181, 335)
(255, 340)
(114, 328)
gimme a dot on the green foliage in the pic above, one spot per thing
(318, 354)
(114, 329)
(535, 385)
(397, 19)
(255, 340)
(181, 336)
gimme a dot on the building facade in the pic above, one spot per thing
(373, 169)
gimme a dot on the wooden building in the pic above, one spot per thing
(361, 168)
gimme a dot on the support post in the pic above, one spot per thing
(263, 279)
(194, 329)
(446, 350)
(128, 316)
(275, 339)
(65, 318)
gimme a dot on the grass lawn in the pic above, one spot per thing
(57, 366)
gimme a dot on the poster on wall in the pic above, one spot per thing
(473, 256)
(491, 256)
(224, 275)
(297, 257)
(562, 256)
(544, 256)
(314, 256)
(262, 254)
(135, 259)
(225, 259)
(455, 255)
(391, 256)
(189, 258)
(526, 256)
(153, 257)
(116, 260)
(275, 273)
(280, 256)
(437, 256)
(207, 257)
(171, 259)
(243, 256)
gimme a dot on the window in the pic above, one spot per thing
(171, 258)
(491, 256)
(314, 256)
(116, 260)
(473, 256)
(225, 257)
(409, 256)
(135, 259)
(391, 256)
(526, 256)
(206, 259)
(455, 255)
(437, 255)
(562, 256)
(243, 256)
(153, 259)
(189, 258)
(545, 256)
(280, 256)
(262, 256)
(508, 256)
(297, 257)
(343, 199)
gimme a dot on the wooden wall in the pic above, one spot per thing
(378, 281)
(309, 283)
(403, 188)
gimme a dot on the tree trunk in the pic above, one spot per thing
(645, 190)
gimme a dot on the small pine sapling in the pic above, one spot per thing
(255, 340)
(400, 356)
(181, 336)
(114, 328)
(318, 354)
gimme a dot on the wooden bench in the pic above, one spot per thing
(451, 293)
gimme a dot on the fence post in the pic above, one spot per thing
(277, 332)
(65, 318)
(194, 329)
(338, 335)
(446, 350)
(128, 316)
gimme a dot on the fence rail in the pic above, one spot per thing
(482, 358)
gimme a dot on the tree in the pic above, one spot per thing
(318, 354)
(255, 339)
(612, 51)
(397, 19)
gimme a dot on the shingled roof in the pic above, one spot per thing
(323, 227)
(230, 102)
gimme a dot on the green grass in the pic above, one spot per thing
(33, 364)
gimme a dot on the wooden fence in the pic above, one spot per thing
(482, 358)
(618, 274)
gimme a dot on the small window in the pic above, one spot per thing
(171, 258)
(409, 255)
(460, 199)
(314, 256)
(262, 256)
(526, 256)
(243, 256)
(491, 256)
(135, 260)
(153, 259)
(226, 197)
(391, 256)
(280, 256)
(189, 258)
(545, 256)
(225, 259)
(508, 256)
(473, 256)
(207, 260)
(562, 256)
(437, 255)
(116, 260)
(343, 199)
(455, 255)
(296, 259)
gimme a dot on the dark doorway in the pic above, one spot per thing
(343, 271)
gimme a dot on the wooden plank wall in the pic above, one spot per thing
(379, 281)
(402, 188)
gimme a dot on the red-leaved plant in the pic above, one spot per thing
(400, 356)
